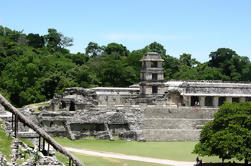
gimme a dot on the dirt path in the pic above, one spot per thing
(130, 157)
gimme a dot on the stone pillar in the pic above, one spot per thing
(185, 100)
(55, 107)
(242, 99)
(229, 99)
(202, 101)
(189, 100)
(67, 106)
(215, 101)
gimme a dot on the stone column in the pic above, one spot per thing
(242, 99)
(67, 106)
(229, 99)
(188, 101)
(215, 101)
(202, 101)
(55, 107)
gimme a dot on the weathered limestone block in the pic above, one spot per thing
(215, 101)
(128, 135)
(202, 101)
(117, 118)
(102, 135)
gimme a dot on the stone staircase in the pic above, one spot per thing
(175, 124)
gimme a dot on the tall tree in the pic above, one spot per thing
(93, 49)
(156, 47)
(231, 64)
(118, 49)
(186, 59)
(35, 40)
(56, 40)
(228, 135)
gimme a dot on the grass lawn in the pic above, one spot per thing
(180, 151)
(103, 161)
(5, 143)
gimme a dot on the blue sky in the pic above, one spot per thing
(197, 27)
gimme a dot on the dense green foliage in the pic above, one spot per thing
(228, 135)
(34, 67)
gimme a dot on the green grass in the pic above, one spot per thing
(21, 161)
(102, 161)
(5, 143)
(26, 141)
(180, 151)
(62, 158)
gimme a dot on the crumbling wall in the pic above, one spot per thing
(81, 124)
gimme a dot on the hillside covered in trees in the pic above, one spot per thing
(34, 67)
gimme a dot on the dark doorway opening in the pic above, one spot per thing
(72, 106)
(221, 101)
(62, 105)
(209, 101)
(194, 100)
(235, 99)
(154, 89)
(248, 99)
(154, 64)
(154, 76)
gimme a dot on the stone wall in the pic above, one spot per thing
(140, 122)
(105, 112)
(81, 124)
(175, 123)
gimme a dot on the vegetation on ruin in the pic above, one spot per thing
(34, 67)
(228, 135)
(5, 143)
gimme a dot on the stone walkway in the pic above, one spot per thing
(130, 157)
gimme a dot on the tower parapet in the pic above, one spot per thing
(152, 75)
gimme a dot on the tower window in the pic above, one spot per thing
(154, 76)
(154, 64)
(154, 89)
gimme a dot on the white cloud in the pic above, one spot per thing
(128, 36)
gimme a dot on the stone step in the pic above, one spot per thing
(27, 135)
(173, 123)
(171, 135)
(180, 112)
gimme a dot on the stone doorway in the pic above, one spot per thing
(235, 99)
(221, 100)
(72, 106)
(194, 99)
(209, 101)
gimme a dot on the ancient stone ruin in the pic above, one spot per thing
(152, 110)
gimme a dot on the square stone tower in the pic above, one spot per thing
(152, 75)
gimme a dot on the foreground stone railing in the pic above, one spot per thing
(42, 134)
